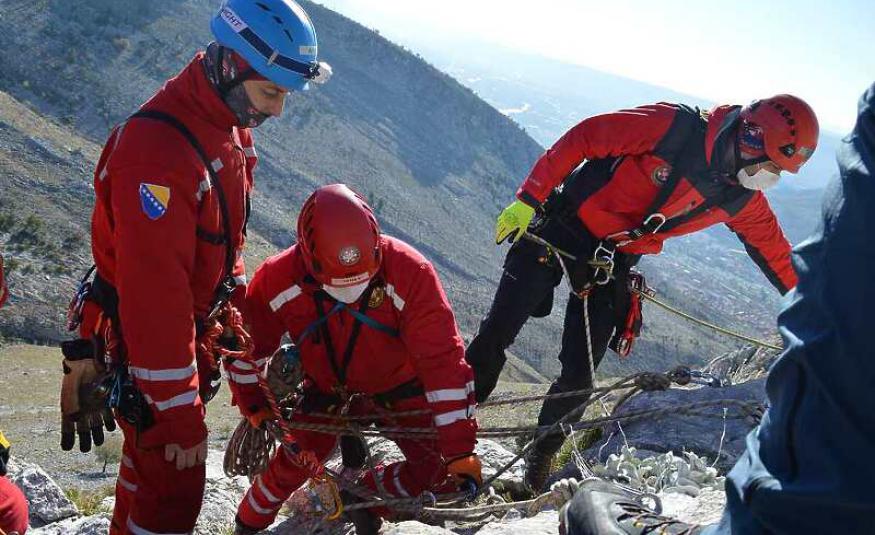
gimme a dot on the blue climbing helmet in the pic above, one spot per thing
(276, 37)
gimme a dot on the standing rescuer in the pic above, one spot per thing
(615, 187)
(173, 186)
(375, 334)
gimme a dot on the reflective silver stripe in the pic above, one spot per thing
(166, 374)
(186, 398)
(446, 418)
(240, 280)
(396, 299)
(137, 530)
(245, 366)
(103, 173)
(397, 481)
(243, 379)
(256, 507)
(127, 461)
(250, 151)
(447, 394)
(469, 387)
(267, 493)
(284, 297)
(217, 165)
(126, 484)
(203, 187)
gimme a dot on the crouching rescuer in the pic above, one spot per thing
(374, 335)
(613, 188)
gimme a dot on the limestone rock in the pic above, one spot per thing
(88, 525)
(544, 523)
(706, 508)
(678, 432)
(48, 502)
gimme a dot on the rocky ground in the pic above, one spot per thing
(680, 457)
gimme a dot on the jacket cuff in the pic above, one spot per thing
(457, 439)
(248, 399)
(528, 199)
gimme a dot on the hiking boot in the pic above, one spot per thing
(242, 529)
(601, 507)
(538, 463)
(364, 520)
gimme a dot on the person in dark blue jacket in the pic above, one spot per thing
(808, 465)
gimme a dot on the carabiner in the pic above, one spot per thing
(603, 262)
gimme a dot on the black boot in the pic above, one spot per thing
(538, 463)
(353, 452)
(364, 520)
(242, 529)
(600, 507)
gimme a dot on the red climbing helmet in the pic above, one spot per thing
(339, 237)
(786, 127)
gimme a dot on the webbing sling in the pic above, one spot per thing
(226, 283)
(360, 318)
(655, 221)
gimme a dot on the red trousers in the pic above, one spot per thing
(422, 470)
(151, 496)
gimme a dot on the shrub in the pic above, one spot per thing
(88, 501)
(110, 451)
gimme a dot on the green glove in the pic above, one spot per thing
(514, 219)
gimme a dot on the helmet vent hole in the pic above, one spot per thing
(262, 6)
(278, 20)
(288, 35)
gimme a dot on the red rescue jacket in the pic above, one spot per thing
(281, 298)
(619, 201)
(157, 238)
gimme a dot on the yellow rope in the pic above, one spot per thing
(666, 306)
(704, 323)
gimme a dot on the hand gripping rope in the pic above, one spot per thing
(305, 459)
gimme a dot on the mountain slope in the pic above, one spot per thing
(437, 162)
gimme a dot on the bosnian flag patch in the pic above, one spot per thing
(154, 200)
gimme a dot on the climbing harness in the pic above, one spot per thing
(649, 295)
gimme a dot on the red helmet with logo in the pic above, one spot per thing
(788, 126)
(339, 237)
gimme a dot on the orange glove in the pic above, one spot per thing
(467, 471)
(263, 415)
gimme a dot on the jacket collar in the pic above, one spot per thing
(193, 91)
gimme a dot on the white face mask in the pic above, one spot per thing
(347, 294)
(761, 180)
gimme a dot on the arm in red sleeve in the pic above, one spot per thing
(267, 330)
(428, 330)
(633, 131)
(155, 252)
(238, 296)
(758, 229)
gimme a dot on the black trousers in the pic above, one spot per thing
(526, 290)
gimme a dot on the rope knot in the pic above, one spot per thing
(650, 382)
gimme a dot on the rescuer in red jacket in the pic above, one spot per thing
(372, 324)
(647, 174)
(172, 201)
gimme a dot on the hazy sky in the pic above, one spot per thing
(730, 51)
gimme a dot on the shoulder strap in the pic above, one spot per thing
(360, 318)
(674, 149)
(225, 286)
